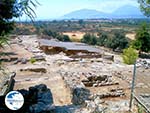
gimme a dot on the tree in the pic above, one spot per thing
(66, 38)
(142, 41)
(56, 35)
(145, 7)
(86, 38)
(50, 33)
(129, 55)
(118, 41)
(89, 39)
(10, 9)
(102, 39)
(81, 21)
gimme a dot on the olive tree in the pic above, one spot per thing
(145, 7)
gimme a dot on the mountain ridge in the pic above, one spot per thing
(126, 11)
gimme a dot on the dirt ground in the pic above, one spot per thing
(24, 80)
(75, 36)
(55, 63)
(131, 36)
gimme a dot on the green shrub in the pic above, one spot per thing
(32, 60)
(3, 40)
(140, 109)
(118, 41)
(89, 39)
(114, 40)
(102, 39)
(142, 41)
(129, 55)
(136, 44)
(64, 38)
(57, 35)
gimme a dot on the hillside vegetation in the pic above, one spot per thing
(104, 32)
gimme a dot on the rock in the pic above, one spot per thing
(24, 61)
(97, 80)
(9, 59)
(27, 79)
(80, 95)
(35, 69)
(102, 78)
(145, 95)
(6, 82)
(108, 57)
(88, 84)
(97, 101)
(118, 106)
(49, 108)
(16, 62)
(85, 80)
(38, 99)
(39, 58)
(46, 78)
(95, 85)
(93, 107)
(143, 63)
(65, 109)
(112, 93)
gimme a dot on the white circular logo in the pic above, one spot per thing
(14, 100)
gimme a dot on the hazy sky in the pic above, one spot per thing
(51, 9)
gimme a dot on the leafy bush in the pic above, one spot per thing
(142, 41)
(140, 109)
(3, 40)
(64, 38)
(129, 55)
(50, 33)
(89, 39)
(32, 60)
(102, 39)
(136, 44)
(59, 36)
(118, 41)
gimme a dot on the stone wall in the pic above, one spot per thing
(6, 82)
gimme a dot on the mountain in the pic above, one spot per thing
(126, 11)
(84, 14)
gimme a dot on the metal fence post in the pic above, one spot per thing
(132, 87)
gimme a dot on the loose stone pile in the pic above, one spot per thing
(143, 63)
(98, 80)
(78, 83)
(35, 68)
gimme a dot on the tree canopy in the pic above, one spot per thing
(14, 8)
(145, 7)
(142, 41)
(89, 39)
(129, 55)
(10, 9)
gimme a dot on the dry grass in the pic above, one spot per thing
(131, 36)
(75, 36)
